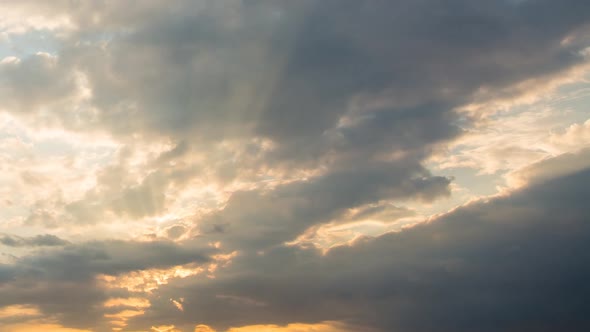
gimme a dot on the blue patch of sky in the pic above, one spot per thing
(569, 104)
(574, 101)
(477, 183)
(29, 43)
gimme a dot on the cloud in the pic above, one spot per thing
(35, 83)
(577, 135)
(512, 263)
(549, 168)
(336, 88)
(290, 72)
(240, 126)
(46, 240)
(322, 327)
(83, 261)
(39, 327)
(63, 283)
(257, 219)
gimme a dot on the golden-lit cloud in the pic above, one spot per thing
(524, 93)
(119, 319)
(13, 311)
(203, 328)
(149, 280)
(322, 327)
(165, 328)
(296, 327)
(178, 304)
(39, 328)
(127, 302)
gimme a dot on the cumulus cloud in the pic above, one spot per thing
(577, 136)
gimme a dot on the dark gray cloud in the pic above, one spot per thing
(35, 82)
(411, 54)
(62, 282)
(45, 240)
(258, 219)
(341, 85)
(517, 263)
(291, 71)
(6, 273)
(85, 261)
(347, 86)
(176, 231)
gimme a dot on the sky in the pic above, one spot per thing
(294, 166)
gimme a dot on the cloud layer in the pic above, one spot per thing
(243, 163)
(511, 264)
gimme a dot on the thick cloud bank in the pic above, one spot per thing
(518, 263)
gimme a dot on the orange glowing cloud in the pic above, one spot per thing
(203, 328)
(165, 328)
(128, 302)
(19, 311)
(148, 280)
(39, 328)
(296, 327)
